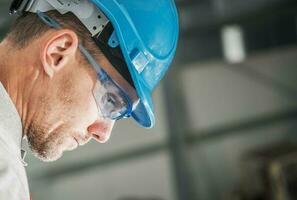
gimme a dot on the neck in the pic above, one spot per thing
(18, 77)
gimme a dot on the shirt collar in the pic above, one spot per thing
(10, 123)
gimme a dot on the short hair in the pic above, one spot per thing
(28, 27)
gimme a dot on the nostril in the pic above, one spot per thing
(101, 138)
(96, 137)
(101, 130)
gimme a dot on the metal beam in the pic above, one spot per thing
(185, 3)
(197, 137)
(196, 19)
(184, 175)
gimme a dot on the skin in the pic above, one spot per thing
(51, 86)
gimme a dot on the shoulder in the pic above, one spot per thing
(13, 178)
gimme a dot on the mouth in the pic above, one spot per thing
(80, 142)
(76, 141)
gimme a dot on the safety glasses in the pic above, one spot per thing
(112, 101)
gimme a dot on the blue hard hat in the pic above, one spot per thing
(147, 32)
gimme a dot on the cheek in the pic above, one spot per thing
(89, 107)
(76, 98)
(85, 108)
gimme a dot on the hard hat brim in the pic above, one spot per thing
(143, 114)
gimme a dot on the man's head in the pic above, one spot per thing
(57, 108)
(54, 83)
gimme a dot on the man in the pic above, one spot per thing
(70, 69)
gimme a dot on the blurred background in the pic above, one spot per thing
(226, 116)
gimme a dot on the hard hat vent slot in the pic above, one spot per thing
(113, 41)
(139, 60)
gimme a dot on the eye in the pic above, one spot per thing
(113, 102)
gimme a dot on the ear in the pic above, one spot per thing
(58, 51)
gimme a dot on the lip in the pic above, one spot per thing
(80, 141)
(76, 141)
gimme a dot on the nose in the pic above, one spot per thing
(101, 130)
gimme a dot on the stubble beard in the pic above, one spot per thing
(48, 147)
(41, 146)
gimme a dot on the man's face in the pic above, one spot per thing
(66, 110)
(67, 115)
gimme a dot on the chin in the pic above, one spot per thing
(48, 156)
(50, 159)
(51, 152)
(51, 148)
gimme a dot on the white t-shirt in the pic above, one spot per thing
(13, 178)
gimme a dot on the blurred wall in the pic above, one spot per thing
(232, 110)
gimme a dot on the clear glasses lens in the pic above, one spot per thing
(110, 100)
